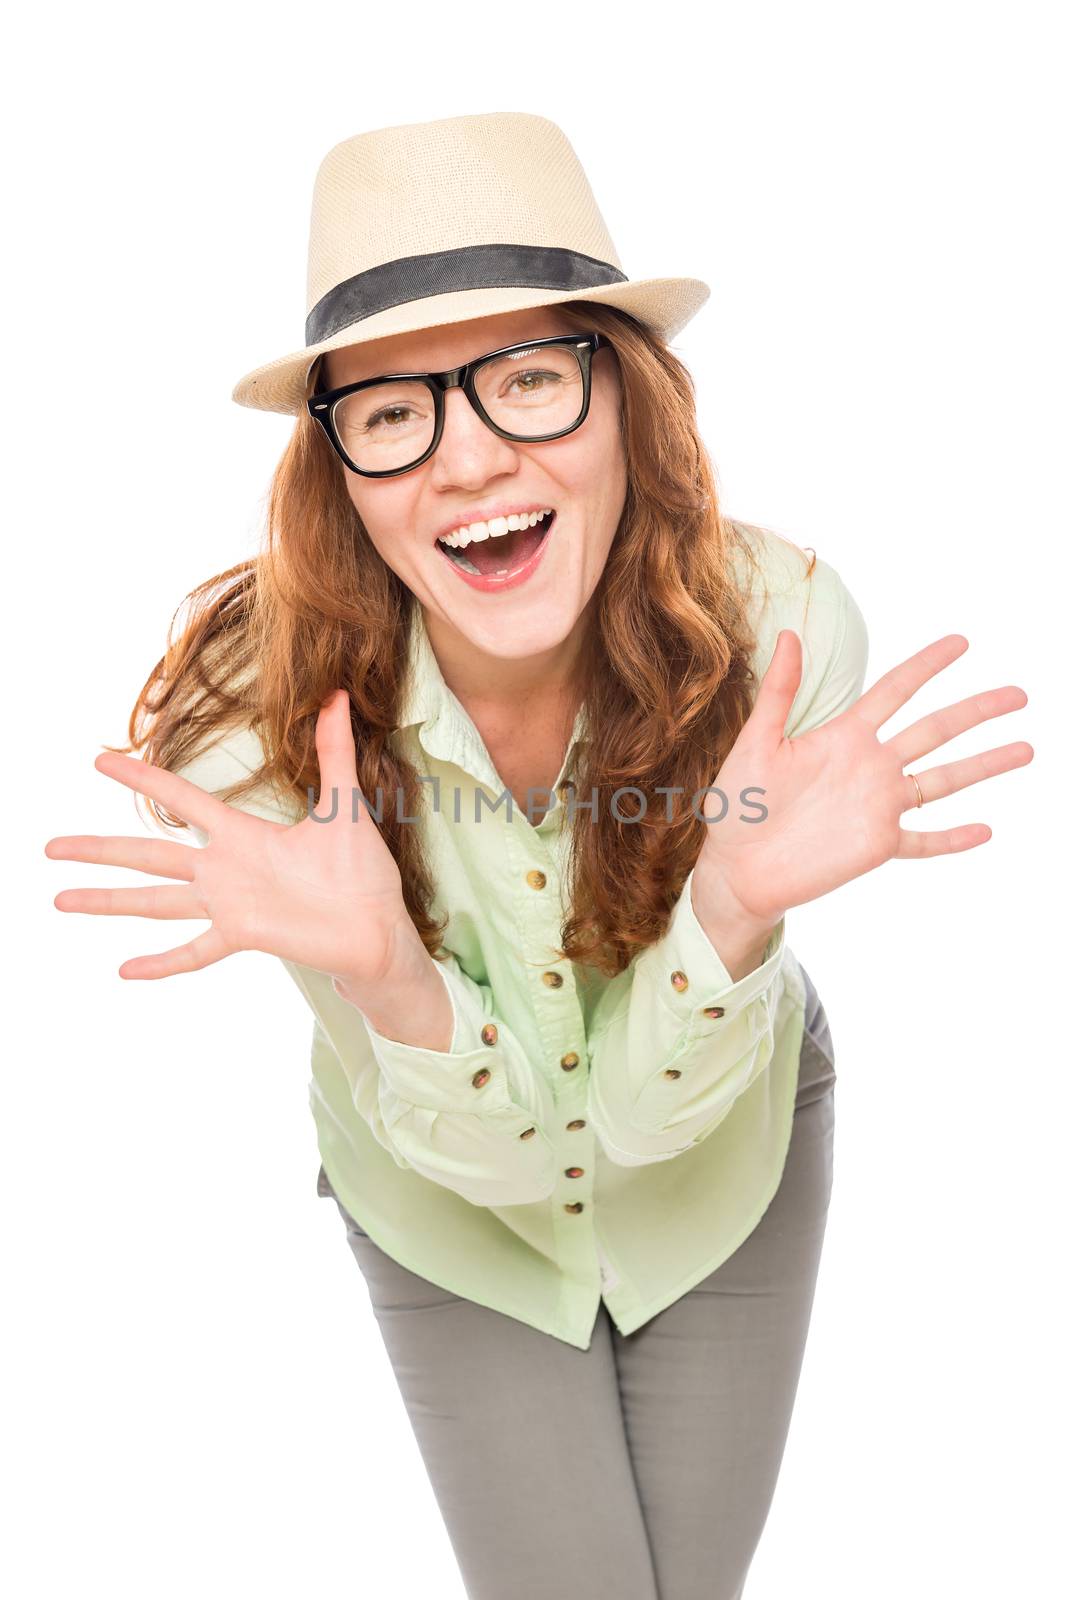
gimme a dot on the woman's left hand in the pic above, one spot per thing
(835, 796)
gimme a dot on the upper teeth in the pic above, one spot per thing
(459, 537)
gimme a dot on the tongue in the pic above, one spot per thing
(507, 550)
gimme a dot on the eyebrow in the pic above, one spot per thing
(376, 377)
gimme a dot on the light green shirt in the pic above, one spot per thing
(614, 1139)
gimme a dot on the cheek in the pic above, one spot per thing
(386, 512)
(606, 463)
(589, 465)
(605, 482)
(399, 554)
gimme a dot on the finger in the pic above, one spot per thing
(177, 794)
(336, 750)
(157, 900)
(913, 846)
(779, 686)
(192, 957)
(938, 728)
(953, 776)
(889, 693)
(165, 859)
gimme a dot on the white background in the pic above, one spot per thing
(197, 1400)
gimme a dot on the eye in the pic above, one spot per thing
(531, 381)
(395, 413)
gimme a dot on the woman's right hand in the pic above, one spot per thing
(323, 894)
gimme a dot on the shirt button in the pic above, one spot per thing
(570, 1061)
(527, 1133)
(713, 1011)
(552, 980)
(536, 879)
(481, 1076)
(489, 1034)
(574, 1172)
(573, 1205)
(679, 981)
(579, 1122)
(672, 1072)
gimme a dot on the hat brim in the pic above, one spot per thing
(664, 304)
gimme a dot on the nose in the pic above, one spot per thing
(469, 453)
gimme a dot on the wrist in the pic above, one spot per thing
(712, 888)
(409, 1004)
(738, 936)
(403, 961)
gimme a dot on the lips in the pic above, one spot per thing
(519, 560)
(500, 554)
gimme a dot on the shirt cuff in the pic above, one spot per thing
(688, 976)
(484, 1068)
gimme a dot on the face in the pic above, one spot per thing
(474, 476)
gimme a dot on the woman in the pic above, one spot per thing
(517, 752)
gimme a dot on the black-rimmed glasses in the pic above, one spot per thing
(525, 392)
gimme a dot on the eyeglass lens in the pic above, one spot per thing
(527, 392)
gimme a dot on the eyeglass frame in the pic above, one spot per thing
(321, 405)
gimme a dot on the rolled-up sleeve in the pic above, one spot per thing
(674, 1041)
(477, 1117)
(679, 1042)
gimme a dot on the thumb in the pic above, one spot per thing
(336, 750)
(779, 686)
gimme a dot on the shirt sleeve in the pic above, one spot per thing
(674, 1041)
(477, 1117)
(835, 641)
(228, 761)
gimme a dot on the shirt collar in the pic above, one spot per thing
(444, 727)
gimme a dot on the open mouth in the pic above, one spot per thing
(499, 554)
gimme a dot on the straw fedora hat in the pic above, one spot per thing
(439, 222)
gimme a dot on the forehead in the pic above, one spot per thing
(438, 349)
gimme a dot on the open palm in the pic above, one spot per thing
(835, 795)
(325, 894)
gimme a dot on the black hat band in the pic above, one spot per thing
(475, 266)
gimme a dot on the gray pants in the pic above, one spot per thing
(644, 1467)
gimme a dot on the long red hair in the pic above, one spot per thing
(664, 672)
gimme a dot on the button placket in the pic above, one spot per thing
(554, 981)
(552, 998)
(568, 1062)
(536, 921)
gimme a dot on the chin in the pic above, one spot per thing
(532, 632)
